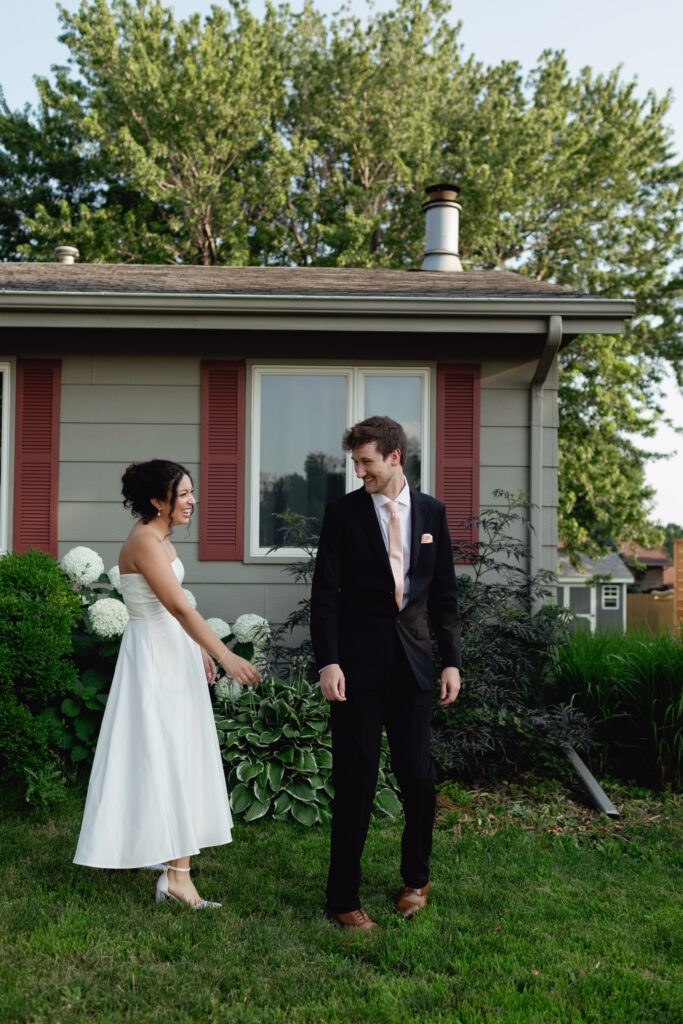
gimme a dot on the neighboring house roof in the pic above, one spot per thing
(609, 565)
(650, 557)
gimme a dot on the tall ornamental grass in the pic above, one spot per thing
(632, 686)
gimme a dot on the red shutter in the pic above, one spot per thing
(36, 460)
(221, 504)
(457, 452)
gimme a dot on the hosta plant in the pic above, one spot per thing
(277, 746)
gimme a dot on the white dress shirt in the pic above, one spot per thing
(384, 515)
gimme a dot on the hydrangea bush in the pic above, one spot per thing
(82, 565)
(108, 618)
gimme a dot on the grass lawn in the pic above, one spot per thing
(541, 912)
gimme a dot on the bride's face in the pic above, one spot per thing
(180, 513)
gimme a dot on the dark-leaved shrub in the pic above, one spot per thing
(503, 717)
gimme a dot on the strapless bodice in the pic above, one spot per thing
(140, 599)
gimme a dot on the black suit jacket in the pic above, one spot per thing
(354, 618)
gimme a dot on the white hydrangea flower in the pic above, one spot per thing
(191, 599)
(114, 575)
(251, 628)
(226, 687)
(108, 617)
(220, 627)
(82, 565)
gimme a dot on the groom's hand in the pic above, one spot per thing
(450, 686)
(333, 683)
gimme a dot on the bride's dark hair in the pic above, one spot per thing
(143, 481)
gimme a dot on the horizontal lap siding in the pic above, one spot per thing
(116, 410)
(504, 453)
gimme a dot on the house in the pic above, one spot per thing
(652, 569)
(249, 375)
(596, 592)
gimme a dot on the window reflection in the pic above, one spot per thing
(302, 467)
(400, 398)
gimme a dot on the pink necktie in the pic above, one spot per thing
(396, 549)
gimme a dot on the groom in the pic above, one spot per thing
(384, 566)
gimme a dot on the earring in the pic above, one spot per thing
(158, 511)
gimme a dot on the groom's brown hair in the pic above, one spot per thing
(385, 432)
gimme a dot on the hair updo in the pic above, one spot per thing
(143, 481)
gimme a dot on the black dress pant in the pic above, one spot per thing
(397, 703)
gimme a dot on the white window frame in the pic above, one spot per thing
(355, 401)
(5, 369)
(610, 591)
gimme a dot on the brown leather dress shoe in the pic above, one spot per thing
(353, 919)
(411, 901)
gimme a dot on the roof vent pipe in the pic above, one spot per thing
(66, 254)
(443, 220)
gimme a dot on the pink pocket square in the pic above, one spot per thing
(426, 538)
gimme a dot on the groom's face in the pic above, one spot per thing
(379, 473)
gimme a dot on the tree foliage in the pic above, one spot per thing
(305, 140)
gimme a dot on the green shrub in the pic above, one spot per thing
(37, 611)
(79, 714)
(632, 686)
(277, 745)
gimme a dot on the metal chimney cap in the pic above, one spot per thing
(445, 193)
(66, 254)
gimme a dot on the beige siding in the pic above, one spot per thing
(505, 444)
(116, 410)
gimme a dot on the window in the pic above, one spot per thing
(4, 455)
(298, 417)
(610, 597)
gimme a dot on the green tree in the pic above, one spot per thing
(183, 117)
(41, 165)
(308, 141)
(364, 111)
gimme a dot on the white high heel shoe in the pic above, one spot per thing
(162, 892)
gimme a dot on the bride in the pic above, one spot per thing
(157, 790)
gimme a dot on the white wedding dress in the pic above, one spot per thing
(157, 789)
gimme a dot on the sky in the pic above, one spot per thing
(646, 39)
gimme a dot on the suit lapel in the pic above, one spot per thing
(417, 524)
(370, 526)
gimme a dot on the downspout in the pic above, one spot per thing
(553, 340)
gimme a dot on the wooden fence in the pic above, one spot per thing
(656, 611)
(659, 611)
(678, 578)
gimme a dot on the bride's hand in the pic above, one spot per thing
(241, 670)
(209, 668)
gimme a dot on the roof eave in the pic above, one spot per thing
(588, 315)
